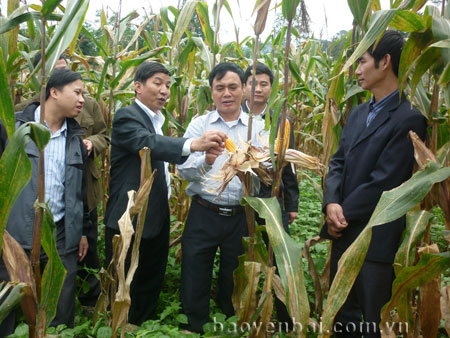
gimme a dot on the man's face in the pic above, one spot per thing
(263, 88)
(369, 76)
(154, 92)
(227, 93)
(70, 99)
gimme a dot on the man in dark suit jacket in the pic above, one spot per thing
(289, 186)
(288, 197)
(375, 155)
(135, 127)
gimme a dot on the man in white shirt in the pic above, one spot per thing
(214, 222)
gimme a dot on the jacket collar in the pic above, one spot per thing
(382, 117)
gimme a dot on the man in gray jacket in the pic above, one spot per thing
(65, 158)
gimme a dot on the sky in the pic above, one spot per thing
(327, 16)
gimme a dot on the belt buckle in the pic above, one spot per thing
(225, 211)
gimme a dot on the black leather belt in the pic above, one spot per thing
(222, 210)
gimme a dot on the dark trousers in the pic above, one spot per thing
(65, 312)
(149, 276)
(360, 314)
(91, 261)
(204, 232)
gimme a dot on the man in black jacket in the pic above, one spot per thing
(375, 155)
(135, 127)
(289, 193)
(289, 186)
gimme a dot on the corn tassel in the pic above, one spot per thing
(287, 134)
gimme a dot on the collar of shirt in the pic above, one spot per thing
(263, 113)
(243, 117)
(157, 118)
(377, 106)
(61, 131)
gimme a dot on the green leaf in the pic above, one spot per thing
(64, 34)
(288, 255)
(6, 103)
(445, 76)
(12, 300)
(203, 17)
(416, 224)
(410, 278)
(15, 167)
(15, 21)
(289, 8)
(408, 21)
(165, 18)
(49, 6)
(426, 60)
(416, 43)
(184, 18)
(441, 31)
(54, 272)
(358, 9)
(205, 53)
(380, 21)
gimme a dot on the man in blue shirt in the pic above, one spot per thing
(65, 158)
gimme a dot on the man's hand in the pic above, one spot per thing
(88, 145)
(82, 248)
(212, 154)
(210, 139)
(292, 216)
(335, 219)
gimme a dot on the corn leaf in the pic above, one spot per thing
(358, 9)
(16, 167)
(288, 258)
(411, 277)
(416, 224)
(441, 31)
(203, 16)
(54, 272)
(408, 21)
(48, 7)
(429, 57)
(184, 18)
(380, 21)
(430, 297)
(13, 298)
(6, 104)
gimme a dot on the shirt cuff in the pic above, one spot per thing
(187, 147)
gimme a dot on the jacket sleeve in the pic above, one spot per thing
(393, 165)
(99, 138)
(132, 134)
(290, 183)
(333, 181)
(195, 166)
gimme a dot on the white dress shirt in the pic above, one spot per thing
(158, 120)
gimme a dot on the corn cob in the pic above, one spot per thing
(230, 145)
(287, 134)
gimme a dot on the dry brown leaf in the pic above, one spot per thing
(266, 312)
(445, 307)
(421, 152)
(429, 310)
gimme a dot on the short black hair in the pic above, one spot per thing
(391, 43)
(222, 68)
(147, 69)
(38, 56)
(61, 77)
(261, 68)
